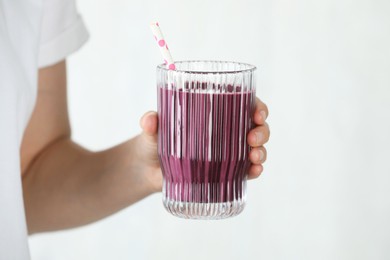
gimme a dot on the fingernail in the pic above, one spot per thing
(259, 137)
(261, 155)
(263, 115)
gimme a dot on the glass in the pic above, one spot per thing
(205, 112)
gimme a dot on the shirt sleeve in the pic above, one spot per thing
(62, 33)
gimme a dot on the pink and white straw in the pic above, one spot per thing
(158, 36)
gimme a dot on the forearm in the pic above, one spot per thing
(68, 186)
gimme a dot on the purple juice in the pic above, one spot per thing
(202, 143)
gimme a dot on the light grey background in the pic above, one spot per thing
(324, 72)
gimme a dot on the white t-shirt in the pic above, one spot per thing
(33, 34)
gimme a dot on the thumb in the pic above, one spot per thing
(149, 125)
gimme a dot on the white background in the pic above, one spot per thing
(324, 72)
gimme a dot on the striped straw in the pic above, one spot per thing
(158, 36)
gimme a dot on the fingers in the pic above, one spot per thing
(149, 123)
(259, 135)
(261, 112)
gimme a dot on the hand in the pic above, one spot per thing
(257, 137)
(147, 145)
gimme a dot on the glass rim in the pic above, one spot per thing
(249, 67)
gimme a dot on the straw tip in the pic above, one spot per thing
(154, 24)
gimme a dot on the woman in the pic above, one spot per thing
(62, 184)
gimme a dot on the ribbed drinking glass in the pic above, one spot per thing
(205, 111)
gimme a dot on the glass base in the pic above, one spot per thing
(204, 201)
(207, 211)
